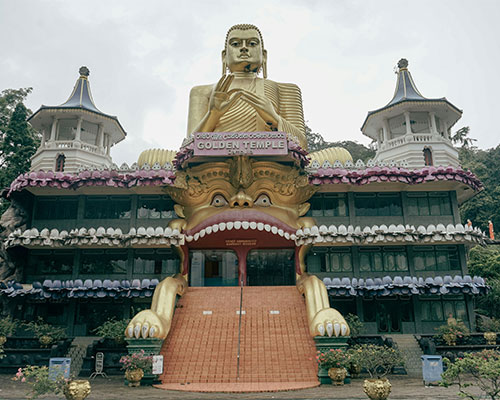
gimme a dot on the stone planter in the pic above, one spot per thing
(45, 340)
(3, 339)
(450, 339)
(134, 376)
(77, 389)
(354, 370)
(377, 389)
(337, 375)
(490, 337)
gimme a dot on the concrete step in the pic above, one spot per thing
(411, 352)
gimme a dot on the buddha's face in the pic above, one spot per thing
(244, 52)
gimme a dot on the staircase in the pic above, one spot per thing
(276, 351)
(77, 351)
(411, 352)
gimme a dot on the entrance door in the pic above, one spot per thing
(213, 268)
(273, 267)
(388, 317)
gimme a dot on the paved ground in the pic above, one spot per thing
(114, 389)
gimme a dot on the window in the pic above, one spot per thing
(397, 126)
(155, 207)
(419, 122)
(333, 259)
(155, 262)
(88, 134)
(439, 309)
(56, 208)
(377, 204)
(66, 129)
(428, 157)
(50, 263)
(103, 262)
(60, 163)
(329, 205)
(378, 259)
(432, 203)
(107, 207)
(436, 258)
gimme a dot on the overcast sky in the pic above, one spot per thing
(144, 56)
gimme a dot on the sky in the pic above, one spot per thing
(144, 56)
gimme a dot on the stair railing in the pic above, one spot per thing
(239, 333)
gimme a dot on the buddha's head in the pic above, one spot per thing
(244, 50)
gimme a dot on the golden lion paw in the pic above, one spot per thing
(329, 322)
(147, 324)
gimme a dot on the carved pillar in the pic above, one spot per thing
(446, 132)
(434, 130)
(107, 143)
(408, 123)
(79, 129)
(53, 129)
(100, 138)
(385, 127)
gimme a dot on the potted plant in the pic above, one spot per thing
(40, 383)
(453, 330)
(335, 361)
(356, 327)
(477, 371)
(7, 328)
(134, 365)
(113, 329)
(46, 333)
(378, 362)
(490, 327)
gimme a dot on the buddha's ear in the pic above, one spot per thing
(224, 64)
(303, 209)
(179, 210)
(264, 63)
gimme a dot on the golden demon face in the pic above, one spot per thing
(260, 195)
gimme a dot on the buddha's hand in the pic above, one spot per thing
(222, 98)
(147, 324)
(263, 107)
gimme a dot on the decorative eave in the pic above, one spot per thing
(392, 234)
(92, 238)
(75, 289)
(337, 175)
(405, 286)
(118, 178)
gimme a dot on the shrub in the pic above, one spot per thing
(136, 361)
(482, 368)
(355, 324)
(454, 327)
(334, 358)
(42, 329)
(37, 378)
(487, 324)
(7, 326)
(378, 360)
(113, 329)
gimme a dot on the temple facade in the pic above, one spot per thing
(384, 236)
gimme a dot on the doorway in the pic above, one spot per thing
(273, 267)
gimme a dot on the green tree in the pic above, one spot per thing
(315, 142)
(9, 99)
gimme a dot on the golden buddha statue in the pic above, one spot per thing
(243, 102)
(241, 188)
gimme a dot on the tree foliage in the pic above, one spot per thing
(18, 140)
(315, 142)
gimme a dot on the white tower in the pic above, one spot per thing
(75, 134)
(413, 128)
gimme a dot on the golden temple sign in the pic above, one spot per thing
(241, 242)
(240, 143)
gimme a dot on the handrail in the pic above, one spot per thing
(239, 333)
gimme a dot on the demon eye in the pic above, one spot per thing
(219, 201)
(263, 200)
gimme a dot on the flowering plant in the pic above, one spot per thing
(38, 380)
(475, 371)
(453, 327)
(137, 361)
(335, 358)
(378, 360)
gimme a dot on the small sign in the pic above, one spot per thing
(157, 365)
(99, 362)
(240, 143)
(207, 312)
(274, 312)
(241, 242)
(59, 367)
(243, 312)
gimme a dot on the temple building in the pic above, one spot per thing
(248, 208)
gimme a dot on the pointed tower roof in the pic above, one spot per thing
(407, 95)
(80, 102)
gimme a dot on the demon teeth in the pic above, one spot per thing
(202, 233)
(280, 232)
(260, 226)
(267, 227)
(253, 225)
(229, 225)
(237, 224)
(222, 226)
(208, 229)
(245, 224)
